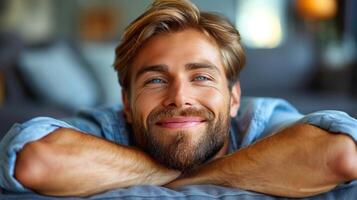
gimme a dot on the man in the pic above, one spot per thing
(179, 68)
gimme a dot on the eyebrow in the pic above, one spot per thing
(152, 68)
(193, 66)
(164, 68)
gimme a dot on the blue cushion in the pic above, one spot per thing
(191, 192)
(101, 58)
(56, 75)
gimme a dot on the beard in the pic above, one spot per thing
(180, 152)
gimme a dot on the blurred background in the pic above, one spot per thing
(56, 56)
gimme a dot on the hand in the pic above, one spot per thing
(205, 174)
(181, 181)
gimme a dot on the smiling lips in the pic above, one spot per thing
(180, 122)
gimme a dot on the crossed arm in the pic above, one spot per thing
(299, 161)
(70, 163)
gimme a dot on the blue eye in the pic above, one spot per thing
(201, 78)
(155, 81)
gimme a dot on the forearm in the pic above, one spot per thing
(299, 161)
(71, 163)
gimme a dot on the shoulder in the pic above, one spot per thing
(262, 109)
(105, 121)
(261, 116)
(257, 105)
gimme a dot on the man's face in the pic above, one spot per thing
(179, 104)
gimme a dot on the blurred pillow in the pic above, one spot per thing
(101, 58)
(55, 74)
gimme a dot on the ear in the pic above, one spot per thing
(127, 108)
(235, 99)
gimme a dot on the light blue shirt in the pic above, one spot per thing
(257, 118)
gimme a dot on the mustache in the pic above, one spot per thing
(170, 112)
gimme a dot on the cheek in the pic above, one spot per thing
(215, 99)
(144, 103)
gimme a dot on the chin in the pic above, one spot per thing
(169, 136)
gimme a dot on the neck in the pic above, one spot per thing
(222, 152)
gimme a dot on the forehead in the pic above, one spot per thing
(178, 49)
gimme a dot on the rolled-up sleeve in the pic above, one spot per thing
(15, 140)
(333, 121)
(269, 116)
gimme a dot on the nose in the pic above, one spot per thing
(178, 95)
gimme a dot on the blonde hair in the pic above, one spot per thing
(171, 16)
